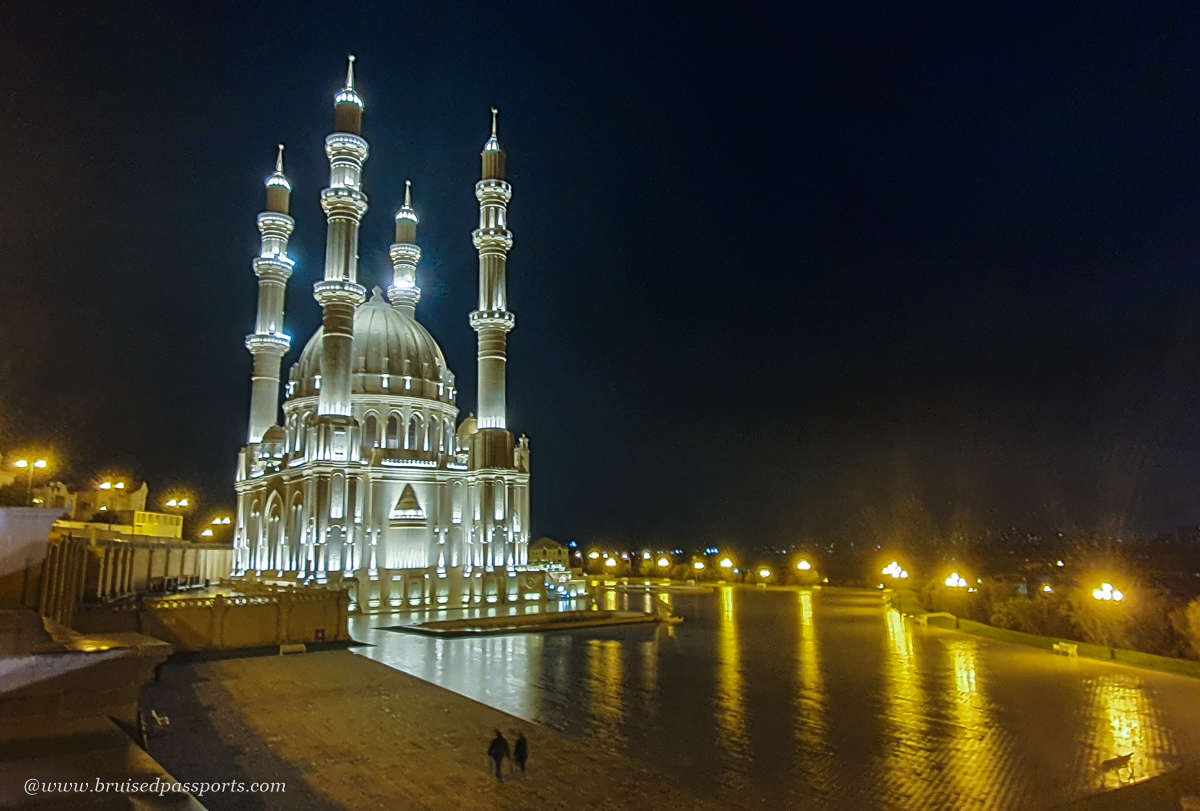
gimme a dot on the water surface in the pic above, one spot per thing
(804, 699)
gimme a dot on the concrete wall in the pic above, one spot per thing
(23, 534)
(228, 621)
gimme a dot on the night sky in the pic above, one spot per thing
(776, 271)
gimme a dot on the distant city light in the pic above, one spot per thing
(1058, 563)
(804, 565)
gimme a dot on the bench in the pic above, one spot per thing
(1069, 648)
(299, 647)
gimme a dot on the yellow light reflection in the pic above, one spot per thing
(907, 759)
(731, 700)
(980, 746)
(1125, 721)
(815, 755)
(605, 684)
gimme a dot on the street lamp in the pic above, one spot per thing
(895, 571)
(726, 563)
(663, 562)
(698, 565)
(29, 465)
(764, 573)
(957, 581)
(1107, 593)
(804, 565)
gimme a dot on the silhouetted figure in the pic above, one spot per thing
(521, 752)
(498, 751)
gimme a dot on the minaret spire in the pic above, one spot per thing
(339, 292)
(268, 343)
(350, 73)
(492, 321)
(405, 254)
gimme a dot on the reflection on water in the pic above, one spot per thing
(730, 707)
(1125, 721)
(980, 750)
(814, 755)
(797, 699)
(909, 764)
(605, 684)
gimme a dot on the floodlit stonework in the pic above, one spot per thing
(370, 478)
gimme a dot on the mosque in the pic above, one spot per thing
(370, 480)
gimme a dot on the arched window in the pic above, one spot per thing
(337, 495)
(370, 435)
(430, 436)
(414, 432)
(393, 431)
(448, 437)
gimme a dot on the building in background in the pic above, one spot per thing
(370, 479)
(548, 552)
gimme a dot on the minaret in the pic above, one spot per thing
(403, 291)
(344, 203)
(492, 321)
(267, 343)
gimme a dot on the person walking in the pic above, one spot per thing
(498, 751)
(521, 752)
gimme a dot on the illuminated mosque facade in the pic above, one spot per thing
(370, 480)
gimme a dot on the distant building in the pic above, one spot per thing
(81, 505)
(546, 551)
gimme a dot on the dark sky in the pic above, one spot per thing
(776, 269)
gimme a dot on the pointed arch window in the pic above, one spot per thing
(393, 431)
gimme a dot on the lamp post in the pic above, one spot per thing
(29, 465)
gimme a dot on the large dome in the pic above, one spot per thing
(393, 354)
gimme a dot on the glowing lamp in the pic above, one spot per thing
(1046, 588)
(645, 556)
(40, 463)
(119, 485)
(726, 563)
(171, 503)
(20, 463)
(698, 565)
(611, 563)
(206, 533)
(1107, 593)
(183, 502)
(956, 581)
(593, 554)
(663, 562)
(804, 565)
(216, 520)
(764, 573)
(106, 485)
(895, 571)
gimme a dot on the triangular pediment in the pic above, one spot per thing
(408, 506)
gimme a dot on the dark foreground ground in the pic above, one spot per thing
(344, 732)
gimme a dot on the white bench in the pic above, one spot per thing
(1069, 648)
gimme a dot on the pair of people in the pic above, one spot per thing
(498, 751)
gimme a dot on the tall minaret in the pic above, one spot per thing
(403, 291)
(344, 203)
(267, 343)
(492, 321)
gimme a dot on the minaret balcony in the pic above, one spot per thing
(344, 201)
(274, 224)
(494, 239)
(346, 145)
(493, 191)
(331, 292)
(268, 342)
(404, 252)
(493, 319)
(279, 266)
